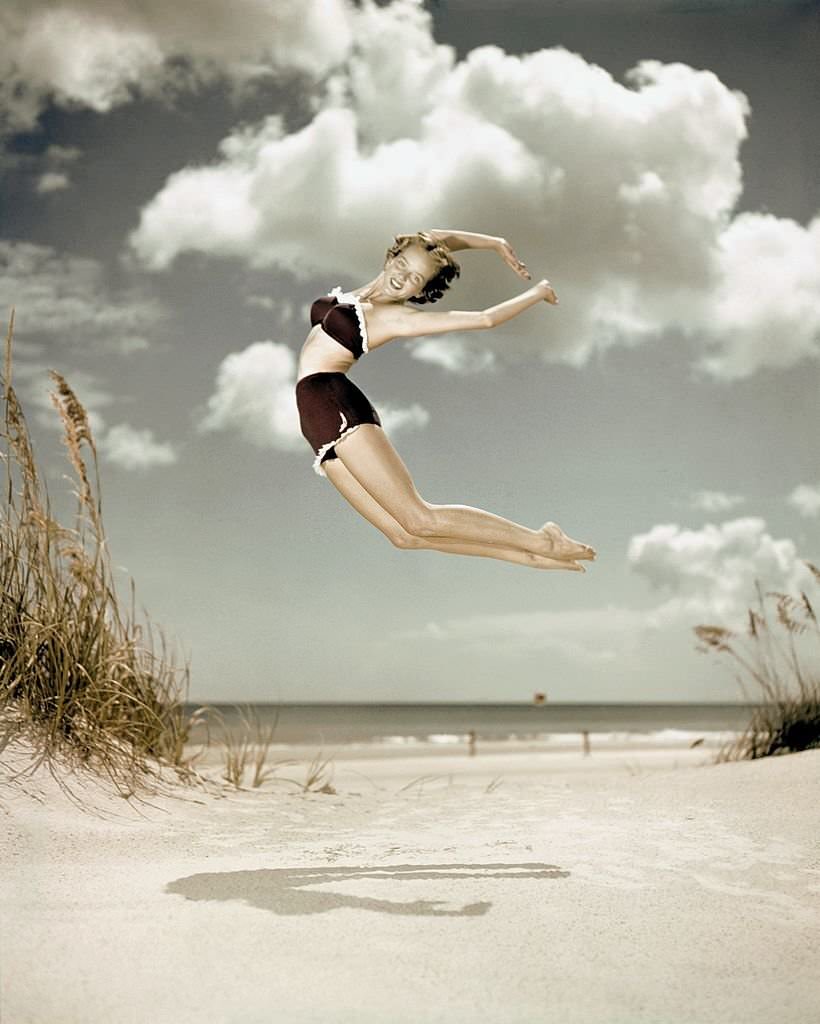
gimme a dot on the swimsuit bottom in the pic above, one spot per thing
(330, 408)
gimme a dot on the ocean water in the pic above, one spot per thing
(541, 725)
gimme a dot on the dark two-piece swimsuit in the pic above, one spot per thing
(329, 403)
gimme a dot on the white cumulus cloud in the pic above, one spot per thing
(621, 193)
(716, 501)
(806, 499)
(131, 448)
(101, 53)
(52, 181)
(712, 570)
(453, 354)
(254, 395)
(66, 297)
(765, 306)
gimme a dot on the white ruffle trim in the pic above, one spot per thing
(337, 293)
(317, 462)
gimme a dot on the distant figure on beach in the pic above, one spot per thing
(344, 429)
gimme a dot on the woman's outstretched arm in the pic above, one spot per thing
(455, 240)
(503, 311)
(402, 322)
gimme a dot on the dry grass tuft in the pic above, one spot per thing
(250, 749)
(788, 717)
(75, 678)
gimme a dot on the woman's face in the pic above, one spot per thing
(408, 272)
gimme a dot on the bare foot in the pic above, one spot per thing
(545, 562)
(560, 546)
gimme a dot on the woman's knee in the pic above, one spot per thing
(418, 519)
(406, 541)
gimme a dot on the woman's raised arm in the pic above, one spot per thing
(455, 240)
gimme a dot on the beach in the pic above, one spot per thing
(513, 886)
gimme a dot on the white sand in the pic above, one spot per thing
(621, 887)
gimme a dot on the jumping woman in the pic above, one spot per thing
(345, 432)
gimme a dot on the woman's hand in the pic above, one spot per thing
(546, 290)
(505, 251)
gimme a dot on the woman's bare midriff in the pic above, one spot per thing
(323, 354)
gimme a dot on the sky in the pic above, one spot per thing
(179, 182)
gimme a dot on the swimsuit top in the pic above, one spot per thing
(341, 316)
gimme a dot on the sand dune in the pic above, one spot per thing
(626, 886)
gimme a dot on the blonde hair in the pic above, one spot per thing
(448, 268)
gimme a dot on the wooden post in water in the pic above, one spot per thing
(585, 735)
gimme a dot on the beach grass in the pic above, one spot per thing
(246, 749)
(77, 678)
(786, 715)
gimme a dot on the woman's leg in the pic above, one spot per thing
(372, 459)
(455, 547)
(371, 510)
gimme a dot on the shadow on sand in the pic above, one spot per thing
(281, 890)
